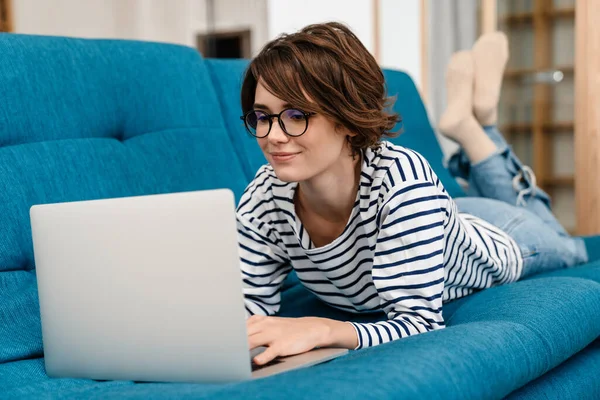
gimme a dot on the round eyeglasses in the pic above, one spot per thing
(293, 122)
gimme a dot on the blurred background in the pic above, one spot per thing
(416, 36)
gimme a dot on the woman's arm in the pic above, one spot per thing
(264, 262)
(408, 267)
(289, 336)
(264, 268)
(407, 272)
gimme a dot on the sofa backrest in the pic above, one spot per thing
(417, 133)
(227, 76)
(89, 119)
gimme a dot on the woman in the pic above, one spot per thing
(366, 224)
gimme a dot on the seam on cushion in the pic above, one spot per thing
(106, 137)
(168, 130)
(541, 337)
(551, 365)
(542, 340)
(242, 160)
(577, 278)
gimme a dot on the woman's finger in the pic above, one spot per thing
(254, 327)
(266, 356)
(258, 339)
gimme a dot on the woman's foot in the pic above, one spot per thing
(490, 54)
(459, 97)
(458, 122)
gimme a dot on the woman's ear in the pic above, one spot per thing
(341, 129)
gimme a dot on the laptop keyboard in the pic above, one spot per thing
(256, 367)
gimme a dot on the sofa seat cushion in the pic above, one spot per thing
(554, 316)
(592, 243)
(576, 378)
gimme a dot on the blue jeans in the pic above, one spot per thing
(502, 192)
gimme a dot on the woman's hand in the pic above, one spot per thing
(290, 336)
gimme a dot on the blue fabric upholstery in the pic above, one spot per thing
(103, 121)
(84, 119)
(592, 243)
(227, 76)
(577, 378)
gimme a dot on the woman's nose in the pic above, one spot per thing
(277, 134)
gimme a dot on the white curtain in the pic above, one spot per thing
(453, 26)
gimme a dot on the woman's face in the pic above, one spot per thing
(301, 158)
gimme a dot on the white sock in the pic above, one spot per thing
(490, 54)
(459, 96)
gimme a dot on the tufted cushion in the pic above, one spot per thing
(577, 378)
(227, 76)
(87, 119)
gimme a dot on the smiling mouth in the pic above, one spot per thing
(283, 156)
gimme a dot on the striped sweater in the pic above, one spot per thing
(405, 249)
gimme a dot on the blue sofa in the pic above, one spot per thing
(87, 119)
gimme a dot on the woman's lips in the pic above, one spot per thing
(281, 157)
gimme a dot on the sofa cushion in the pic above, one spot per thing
(227, 76)
(439, 364)
(550, 318)
(88, 119)
(576, 378)
(562, 313)
(592, 243)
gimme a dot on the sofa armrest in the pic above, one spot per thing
(592, 243)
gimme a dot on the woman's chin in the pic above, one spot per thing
(287, 174)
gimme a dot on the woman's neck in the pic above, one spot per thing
(331, 195)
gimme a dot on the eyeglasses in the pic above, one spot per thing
(293, 122)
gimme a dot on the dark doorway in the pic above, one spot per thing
(233, 44)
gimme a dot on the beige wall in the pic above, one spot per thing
(90, 18)
(172, 21)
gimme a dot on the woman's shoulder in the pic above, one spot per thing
(400, 174)
(396, 164)
(262, 191)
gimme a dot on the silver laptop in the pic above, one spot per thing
(148, 289)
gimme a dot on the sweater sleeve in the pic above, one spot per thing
(264, 267)
(264, 262)
(408, 265)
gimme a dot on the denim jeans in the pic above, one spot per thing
(503, 192)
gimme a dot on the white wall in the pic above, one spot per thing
(400, 26)
(400, 36)
(180, 21)
(92, 18)
(287, 16)
(172, 21)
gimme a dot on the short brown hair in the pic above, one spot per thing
(328, 63)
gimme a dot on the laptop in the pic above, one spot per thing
(147, 288)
